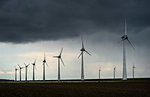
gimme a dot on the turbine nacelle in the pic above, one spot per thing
(134, 66)
(26, 65)
(82, 49)
(44, 61)
(34, 62)
(124, 37)
(59, 56)
(20, 67)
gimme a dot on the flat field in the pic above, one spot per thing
(75, 89)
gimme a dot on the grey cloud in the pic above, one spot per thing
(36, 20)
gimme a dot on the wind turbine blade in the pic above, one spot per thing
(46, 64)
(61, 52)
(25, 64)
(19, 66)
(82, 42)
(44, 56)
(62, 61)
(125, 27)
(80, 55)
(88, 53)
(28, 65)
(34, 61)
(55, 56)
(130, 43)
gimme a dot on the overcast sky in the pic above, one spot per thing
(28, 28)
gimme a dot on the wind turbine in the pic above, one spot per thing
(99, 72)
(114, 72)
(123, 39)
(59, 58)
(20, 71)
(44, 62)
(82, 64)
(16, 73)
(26, 71)
(133, 70)
(33, 69)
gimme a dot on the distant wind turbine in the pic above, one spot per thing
(114, 72)
(99, 72)
(44, 62)
(16, 73)
(34, 69)
(26, 71)
(20, 71)
(82, 64)
(59, 58)
(133, 70)
(123, 38)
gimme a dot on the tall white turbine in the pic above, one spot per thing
(26, 71)
(133, 70)
(82, 62)
(34, 69)
(124, 38)
(44, 62)
(114, 72)
(16, 73)
(20, 71)
(59, 58)
(99, 72)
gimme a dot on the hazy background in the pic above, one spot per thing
(28, 28)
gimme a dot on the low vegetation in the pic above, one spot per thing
(118, 88)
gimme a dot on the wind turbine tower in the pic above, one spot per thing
(34, 69)
(16, 73)
(59, 59)
(44, 62)
(20, 71)
(123, 39)
(133, 70)
(114, 72)
(26, 71)
(99, 72)
(82, 61)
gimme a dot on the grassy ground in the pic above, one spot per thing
(131, 88)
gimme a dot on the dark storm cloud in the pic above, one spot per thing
(35, 20)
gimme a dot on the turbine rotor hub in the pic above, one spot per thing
(124, 37)
(82, 49)
(44, 61)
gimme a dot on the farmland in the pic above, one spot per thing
(137, 88)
